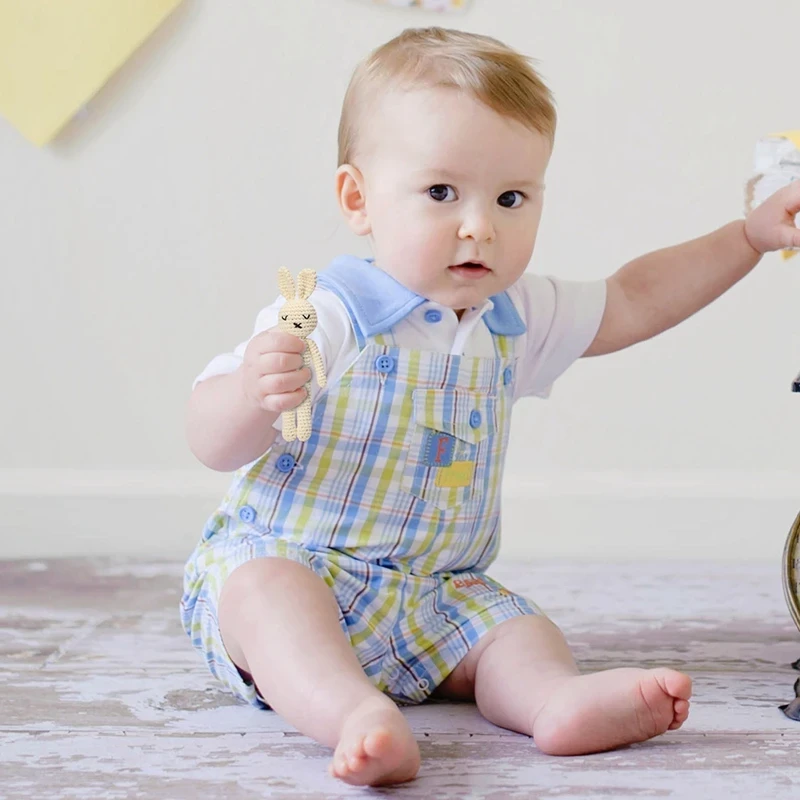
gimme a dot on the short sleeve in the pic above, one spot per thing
(562, 320)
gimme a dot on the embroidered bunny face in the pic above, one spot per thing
(297, 316)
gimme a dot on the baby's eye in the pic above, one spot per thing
(442, 193)
(306, 316)
(511, 199)
(284, 318)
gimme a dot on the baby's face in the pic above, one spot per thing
(453, 194)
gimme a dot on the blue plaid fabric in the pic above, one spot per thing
(394, 502)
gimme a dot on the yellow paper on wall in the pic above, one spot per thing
(56, 54)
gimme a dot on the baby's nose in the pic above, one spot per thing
(297, 325)
(477, 226)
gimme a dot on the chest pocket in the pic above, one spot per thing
(449, 446)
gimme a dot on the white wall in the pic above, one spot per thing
(145, 239)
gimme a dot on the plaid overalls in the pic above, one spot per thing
(394, 502)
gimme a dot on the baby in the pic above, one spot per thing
(345, 574)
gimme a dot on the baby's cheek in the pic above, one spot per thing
(421, 247)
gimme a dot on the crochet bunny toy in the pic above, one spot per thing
(299, 318)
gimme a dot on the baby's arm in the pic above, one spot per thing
(657, 291)
(225, 431)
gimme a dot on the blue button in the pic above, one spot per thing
(433, 316)
(247, 514)
(384, 364)
(286, 462)
(475, 419)
(508, 374)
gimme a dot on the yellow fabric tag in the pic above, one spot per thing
(56, 54)
(458, 474)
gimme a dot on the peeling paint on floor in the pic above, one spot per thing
(103, 696)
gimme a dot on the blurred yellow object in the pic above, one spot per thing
(56, 54)
(792, 136)
(430, 5)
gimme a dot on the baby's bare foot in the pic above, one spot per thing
(592, 713)
(376, 746)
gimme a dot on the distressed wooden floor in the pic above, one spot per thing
(102, 695)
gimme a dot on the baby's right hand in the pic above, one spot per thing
(273, 375)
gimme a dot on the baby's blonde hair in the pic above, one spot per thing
(480, 66)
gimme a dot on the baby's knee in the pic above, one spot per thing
(268, 576)
(254, 589)
(527, 627)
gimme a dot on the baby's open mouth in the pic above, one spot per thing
(470, 269)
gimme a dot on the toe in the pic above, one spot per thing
(356, 762)
(378, 744)
(677, 684)
(681, 710)
(339, 765)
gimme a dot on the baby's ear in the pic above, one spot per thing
(350, 192)
(286, 283)
(306, 283)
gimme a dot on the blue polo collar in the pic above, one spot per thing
(377, 302)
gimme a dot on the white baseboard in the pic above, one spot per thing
(613, 515)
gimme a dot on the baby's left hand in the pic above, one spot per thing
(770, 226)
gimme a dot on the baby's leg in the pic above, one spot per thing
(526, 680)
(280, 622)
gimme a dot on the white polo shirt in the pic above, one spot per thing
(560, 319)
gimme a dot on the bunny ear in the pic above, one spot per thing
(306, 283)
(286, 283)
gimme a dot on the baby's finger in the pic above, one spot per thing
(282, 382)
(278, 403)
(274, 341)
(271, 363)
(789, 237)
(792, 192)
(279, 341)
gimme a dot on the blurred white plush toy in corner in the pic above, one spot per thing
(299, 318)
(777, 164)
